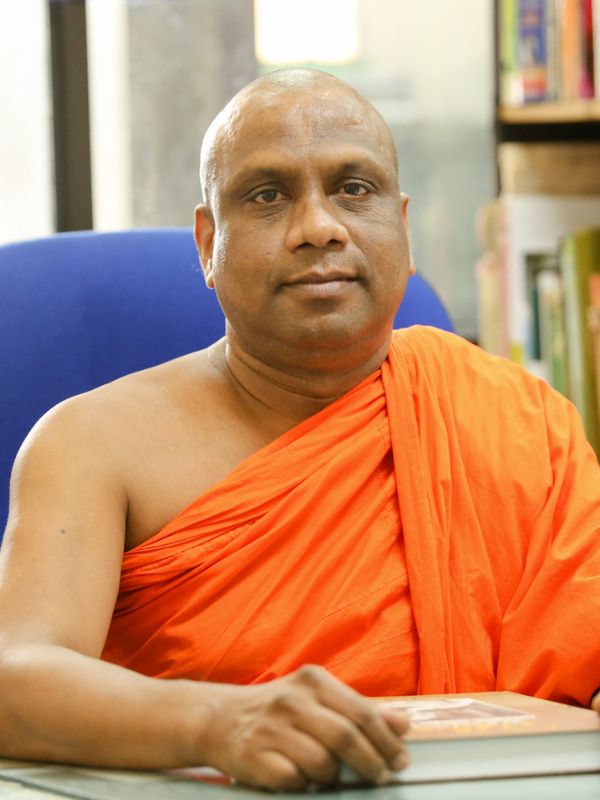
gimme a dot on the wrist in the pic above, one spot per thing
(199, 723)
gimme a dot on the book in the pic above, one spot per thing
(532, 49)
(492, 735)
(548, 190)
(586, 74)
(552, 50)
(553, 333)
(510, 78)
(535, 224)
(536, 263)
(571, 48)
(594, 331)
(548, 50)
(596, 46)
(579, 259)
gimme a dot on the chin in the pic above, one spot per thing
(334, 348)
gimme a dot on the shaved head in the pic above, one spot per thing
(303, 232)
(285, 86)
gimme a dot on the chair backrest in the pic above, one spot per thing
(80, 309)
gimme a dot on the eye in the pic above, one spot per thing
(355, 189)
(266, 196)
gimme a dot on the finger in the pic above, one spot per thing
(315, 761)
(395, 718)
(367, 716)
(596, 702)
(271, 770)
(350, 745)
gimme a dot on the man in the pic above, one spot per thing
(406, 512)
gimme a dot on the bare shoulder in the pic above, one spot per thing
(184, 384)
(77, 481)
(106, 435)
(99, 424)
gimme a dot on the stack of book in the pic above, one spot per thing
(549, 50)
(538, 277)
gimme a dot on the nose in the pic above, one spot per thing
(315, 223)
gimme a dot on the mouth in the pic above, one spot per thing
(317, 276)
(327, 283)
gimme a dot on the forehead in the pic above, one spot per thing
(316, 127)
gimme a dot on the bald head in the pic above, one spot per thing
(284, 89)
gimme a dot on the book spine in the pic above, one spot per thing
(596, 45)
(570, 29)
(553, 50)
(553, 334)
(594, 331)
(579, 259)
(586, 77)
(533, 53)
(511, 83)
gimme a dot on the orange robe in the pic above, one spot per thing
(436, 529)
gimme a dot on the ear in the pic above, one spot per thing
(405, 199)
(204, 231)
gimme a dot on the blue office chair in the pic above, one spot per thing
(80, 309)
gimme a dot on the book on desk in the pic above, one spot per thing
(493, 735)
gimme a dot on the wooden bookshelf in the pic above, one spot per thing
(551, 113)
(548, 169)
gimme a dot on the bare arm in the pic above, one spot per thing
(59, 575)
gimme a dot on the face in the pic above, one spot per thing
(305, 237)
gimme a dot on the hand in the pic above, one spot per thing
(296, 731)
(596, 702)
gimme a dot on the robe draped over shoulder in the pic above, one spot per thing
(436, 529)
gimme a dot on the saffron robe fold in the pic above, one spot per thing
(436, 529)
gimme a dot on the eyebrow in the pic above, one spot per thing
(359, 165)
(245, 180)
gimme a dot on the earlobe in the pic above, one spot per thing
(204, 229)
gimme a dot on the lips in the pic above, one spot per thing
(321, 276)
(321, 285)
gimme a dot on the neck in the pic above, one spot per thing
(287, 396)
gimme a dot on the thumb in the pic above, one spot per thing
(596, 702)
